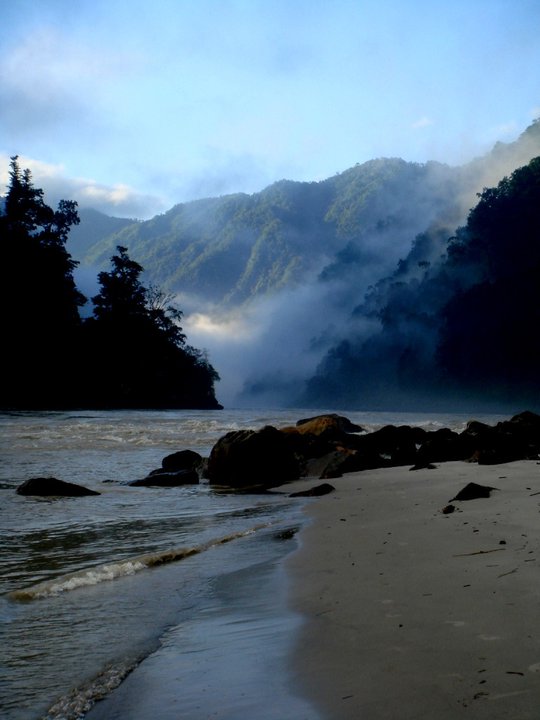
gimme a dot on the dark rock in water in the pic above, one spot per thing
(52, 487)
(316, 491)
(182, 460)
(472, 491)
(168, 479)
(286, 534)
(246, 458)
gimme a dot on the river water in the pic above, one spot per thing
(156, 602)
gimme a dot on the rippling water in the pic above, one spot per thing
(92, 585)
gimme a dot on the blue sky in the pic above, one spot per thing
(133, 106)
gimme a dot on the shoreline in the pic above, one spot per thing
(412, 613)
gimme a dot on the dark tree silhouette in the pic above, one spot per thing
(39, 302)
(137, 351)
(131, 353)
(489, 335)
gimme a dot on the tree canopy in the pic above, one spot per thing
(131, 353)
(458, 319)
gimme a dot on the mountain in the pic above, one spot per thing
(294, 275)
(93, 227)
(232, 249)
(457, 329)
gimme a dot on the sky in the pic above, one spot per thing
(131, 107)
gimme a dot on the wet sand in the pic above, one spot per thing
(411, 613)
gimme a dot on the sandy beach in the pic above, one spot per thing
(412, 613)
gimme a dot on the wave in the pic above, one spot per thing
(122, 568)
(79, 701)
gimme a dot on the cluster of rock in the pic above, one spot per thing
(329, 445)
(326, 446)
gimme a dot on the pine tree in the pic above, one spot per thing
(39, 302)
(136, 348)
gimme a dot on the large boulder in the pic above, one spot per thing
(317, 436)
(514, 439)
(52, 487)
(345, 461)
(248, 458)
(395, 445)
(181, 460)
(443, 445)
(331, 422)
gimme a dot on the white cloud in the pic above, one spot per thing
(120, 200)
(230, 328)
(422, 122)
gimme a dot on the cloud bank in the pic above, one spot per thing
(118, 200)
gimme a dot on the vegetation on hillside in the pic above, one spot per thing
(236, 248)
(458, 318)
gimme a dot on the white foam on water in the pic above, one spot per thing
(113, 571)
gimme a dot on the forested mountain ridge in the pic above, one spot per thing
(235, 248)
(460, 326)
(238, 247)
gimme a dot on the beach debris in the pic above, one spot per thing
(473, 491)
(510, 572)
(52, 487)
(316, 491)
(423, 466)
(478, 552)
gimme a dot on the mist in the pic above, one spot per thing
(363, 324)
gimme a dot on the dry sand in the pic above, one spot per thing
(415, 614)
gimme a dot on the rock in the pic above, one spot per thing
(330, 421)
(345, 461)
(443, 445)
(448, 509)
(51, 487)
(319, 435)
(473, 491)
(168, 479)
(316, 491)
(514, 439)
(182, 460)
(286, 534)
(475, 428)
(423, 466)
(248, 458)
(396, 445)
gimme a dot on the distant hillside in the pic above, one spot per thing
(235, 248)
(457, 323)
(94, 226)
(303, 272)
